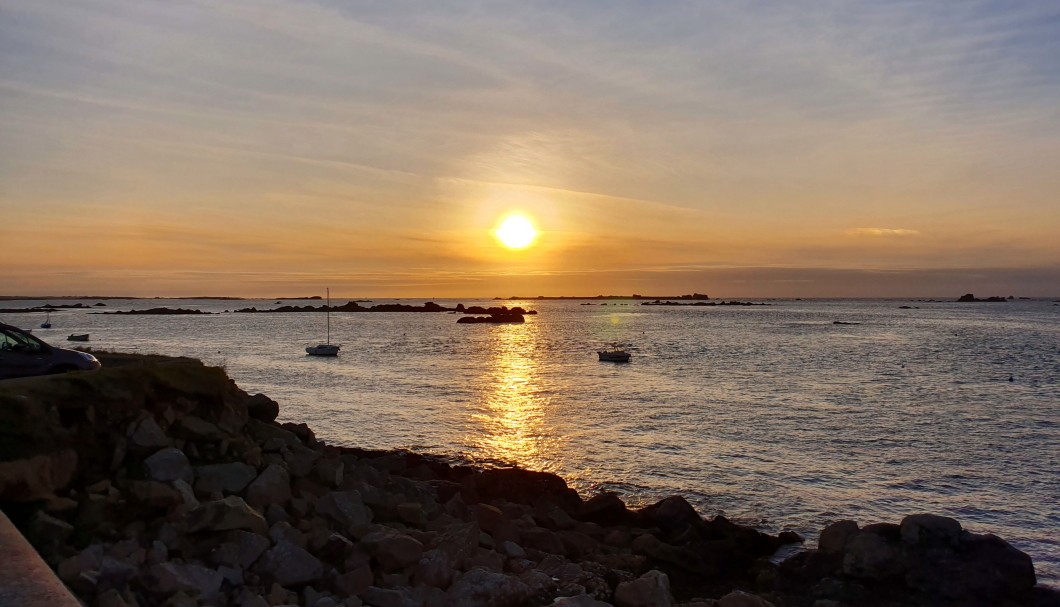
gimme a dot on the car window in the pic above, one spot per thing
(17, 341)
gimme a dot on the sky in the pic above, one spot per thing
(755, 149)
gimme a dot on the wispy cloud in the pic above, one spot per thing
(882, 232)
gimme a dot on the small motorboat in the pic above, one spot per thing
(78, 337)
(614, 355)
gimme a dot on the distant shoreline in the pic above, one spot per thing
(692, 297)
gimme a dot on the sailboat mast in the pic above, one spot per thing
(327, 309)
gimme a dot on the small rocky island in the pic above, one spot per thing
(702, 303)
(968, 297)
(155, 312)
(157, 481)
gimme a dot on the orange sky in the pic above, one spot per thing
(275, 148)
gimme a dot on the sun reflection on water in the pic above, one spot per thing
(514, 402)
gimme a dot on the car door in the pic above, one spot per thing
(21, 355)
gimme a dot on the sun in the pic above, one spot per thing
(516, 231)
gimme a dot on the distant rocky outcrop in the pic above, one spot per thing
(968, 297)
(155, 312)
(702, 303)
(353, 306)
(509, 317)
(158, 481)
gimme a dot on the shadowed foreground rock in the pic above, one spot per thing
(162, 483)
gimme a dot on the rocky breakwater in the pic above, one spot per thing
(160, 482)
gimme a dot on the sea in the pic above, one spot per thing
(774, 416)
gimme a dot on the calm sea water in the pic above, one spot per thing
(771, 415)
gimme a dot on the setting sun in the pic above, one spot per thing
(516, 232)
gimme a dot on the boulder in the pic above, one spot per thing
(170, 578)
(346, 509)
(393, 550)
(521, 486)
(226, 514)
(606, 509)
(872, 556)
(739, 598)
(272, 486)
(146, 434)
(168, 465)
(154, 494)
(262, 408)
(581, 600)
(196, 428)
(433, 569)
(402, 596)
(673, 515)
(225, 478)
(649, 590)
(930, 530)
(481, 588)
(289, 565)
(834, 537)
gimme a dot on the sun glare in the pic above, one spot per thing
(516, 232)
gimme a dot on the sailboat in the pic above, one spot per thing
(47, 324)
(327, 348)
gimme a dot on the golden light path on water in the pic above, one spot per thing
(512, 418)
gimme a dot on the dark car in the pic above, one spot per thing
(23, 355)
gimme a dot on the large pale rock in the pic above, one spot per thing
(649, 590)
(346, 509)
(226, 478)
(391, 549)
(289, 565)
(273, 486)
(226, 514)
(169, 465)
(481, 588)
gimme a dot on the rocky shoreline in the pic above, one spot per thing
(157, 481)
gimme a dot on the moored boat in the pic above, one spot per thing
(614, 355)
(327, 348)
(78, 337)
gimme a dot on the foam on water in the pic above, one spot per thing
(772, 415)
